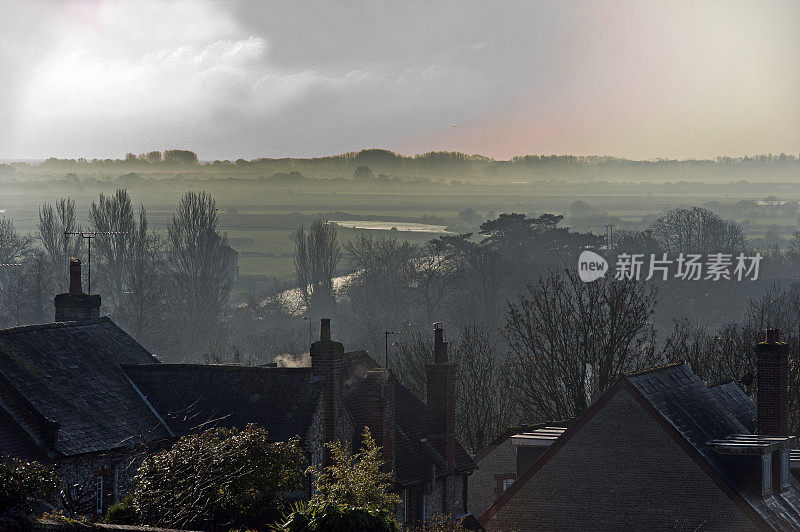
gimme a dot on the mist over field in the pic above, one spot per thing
(573, 192)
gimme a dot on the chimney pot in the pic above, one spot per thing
(75, 276)
(438, 342)
(325, 329)
(773, 336)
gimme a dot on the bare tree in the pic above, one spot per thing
(317, 253)
(199, 280)
(113, 214)
(143, 307)
(571, 340)
(14, 249)
(54, 222)
(727, 353)
(432, 276)
(481, 410)
(377, 297)
(697, 230)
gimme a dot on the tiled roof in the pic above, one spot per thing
(695, 415)
(414, 460)
(731, 397)
(702, 414)
(195, 396)
(70, 373)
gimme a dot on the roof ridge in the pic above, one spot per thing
(163, 365)
(654, 369)
(720, 382)
(53, 325)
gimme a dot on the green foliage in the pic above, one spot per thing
(23, 484)
(123, 512)
(219, 474)
(356, 479)
(330, 516)
(180, 157)
(351, 494)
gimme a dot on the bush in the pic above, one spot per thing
(330, 516)
(23, 484)
(123, 513)
(221, 474)
(352, 494)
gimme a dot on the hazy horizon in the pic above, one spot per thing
(244, 80)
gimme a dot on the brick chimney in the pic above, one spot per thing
(441, 395)
(75, 305)
(772, 379)
(380, 417)
(326, 361)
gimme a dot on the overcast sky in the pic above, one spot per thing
(639, 79)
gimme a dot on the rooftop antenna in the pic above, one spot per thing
(89, 235)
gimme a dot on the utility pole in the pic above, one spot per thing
(89, 235)
(310, 331)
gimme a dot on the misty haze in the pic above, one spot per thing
(400, 266)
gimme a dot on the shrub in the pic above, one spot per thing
(23, 484)
(352, 494)
(123, 513)
(221, 474)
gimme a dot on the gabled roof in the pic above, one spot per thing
(69, 373)
(414, 459)
(195, 396)
(693, 415)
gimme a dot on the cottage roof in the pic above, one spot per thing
(70, 373)
(194, 396)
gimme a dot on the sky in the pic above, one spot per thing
(229, 80)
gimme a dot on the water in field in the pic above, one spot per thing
(392, 226)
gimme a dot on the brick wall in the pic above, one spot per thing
(620, 471)
(502, 460)
(772, 376)
(440, 384)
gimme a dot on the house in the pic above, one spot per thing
(82, 394)
(335, 398)
(64, 398)
(661, 450)
(505, 458)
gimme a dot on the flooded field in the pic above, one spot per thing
(391, 226)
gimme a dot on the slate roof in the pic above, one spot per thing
(70, 373)
(694, 415)
(702, 414)
(414, 459)
(731, 397)
(194, 396)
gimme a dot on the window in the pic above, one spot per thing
(99, 494)
(502, 482)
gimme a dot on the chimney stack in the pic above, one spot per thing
(380, 417)
(772, 379)
(75, 286)
(326, 361)
(441, 394)
(74, 305)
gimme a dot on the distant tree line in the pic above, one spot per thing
(459, 165)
